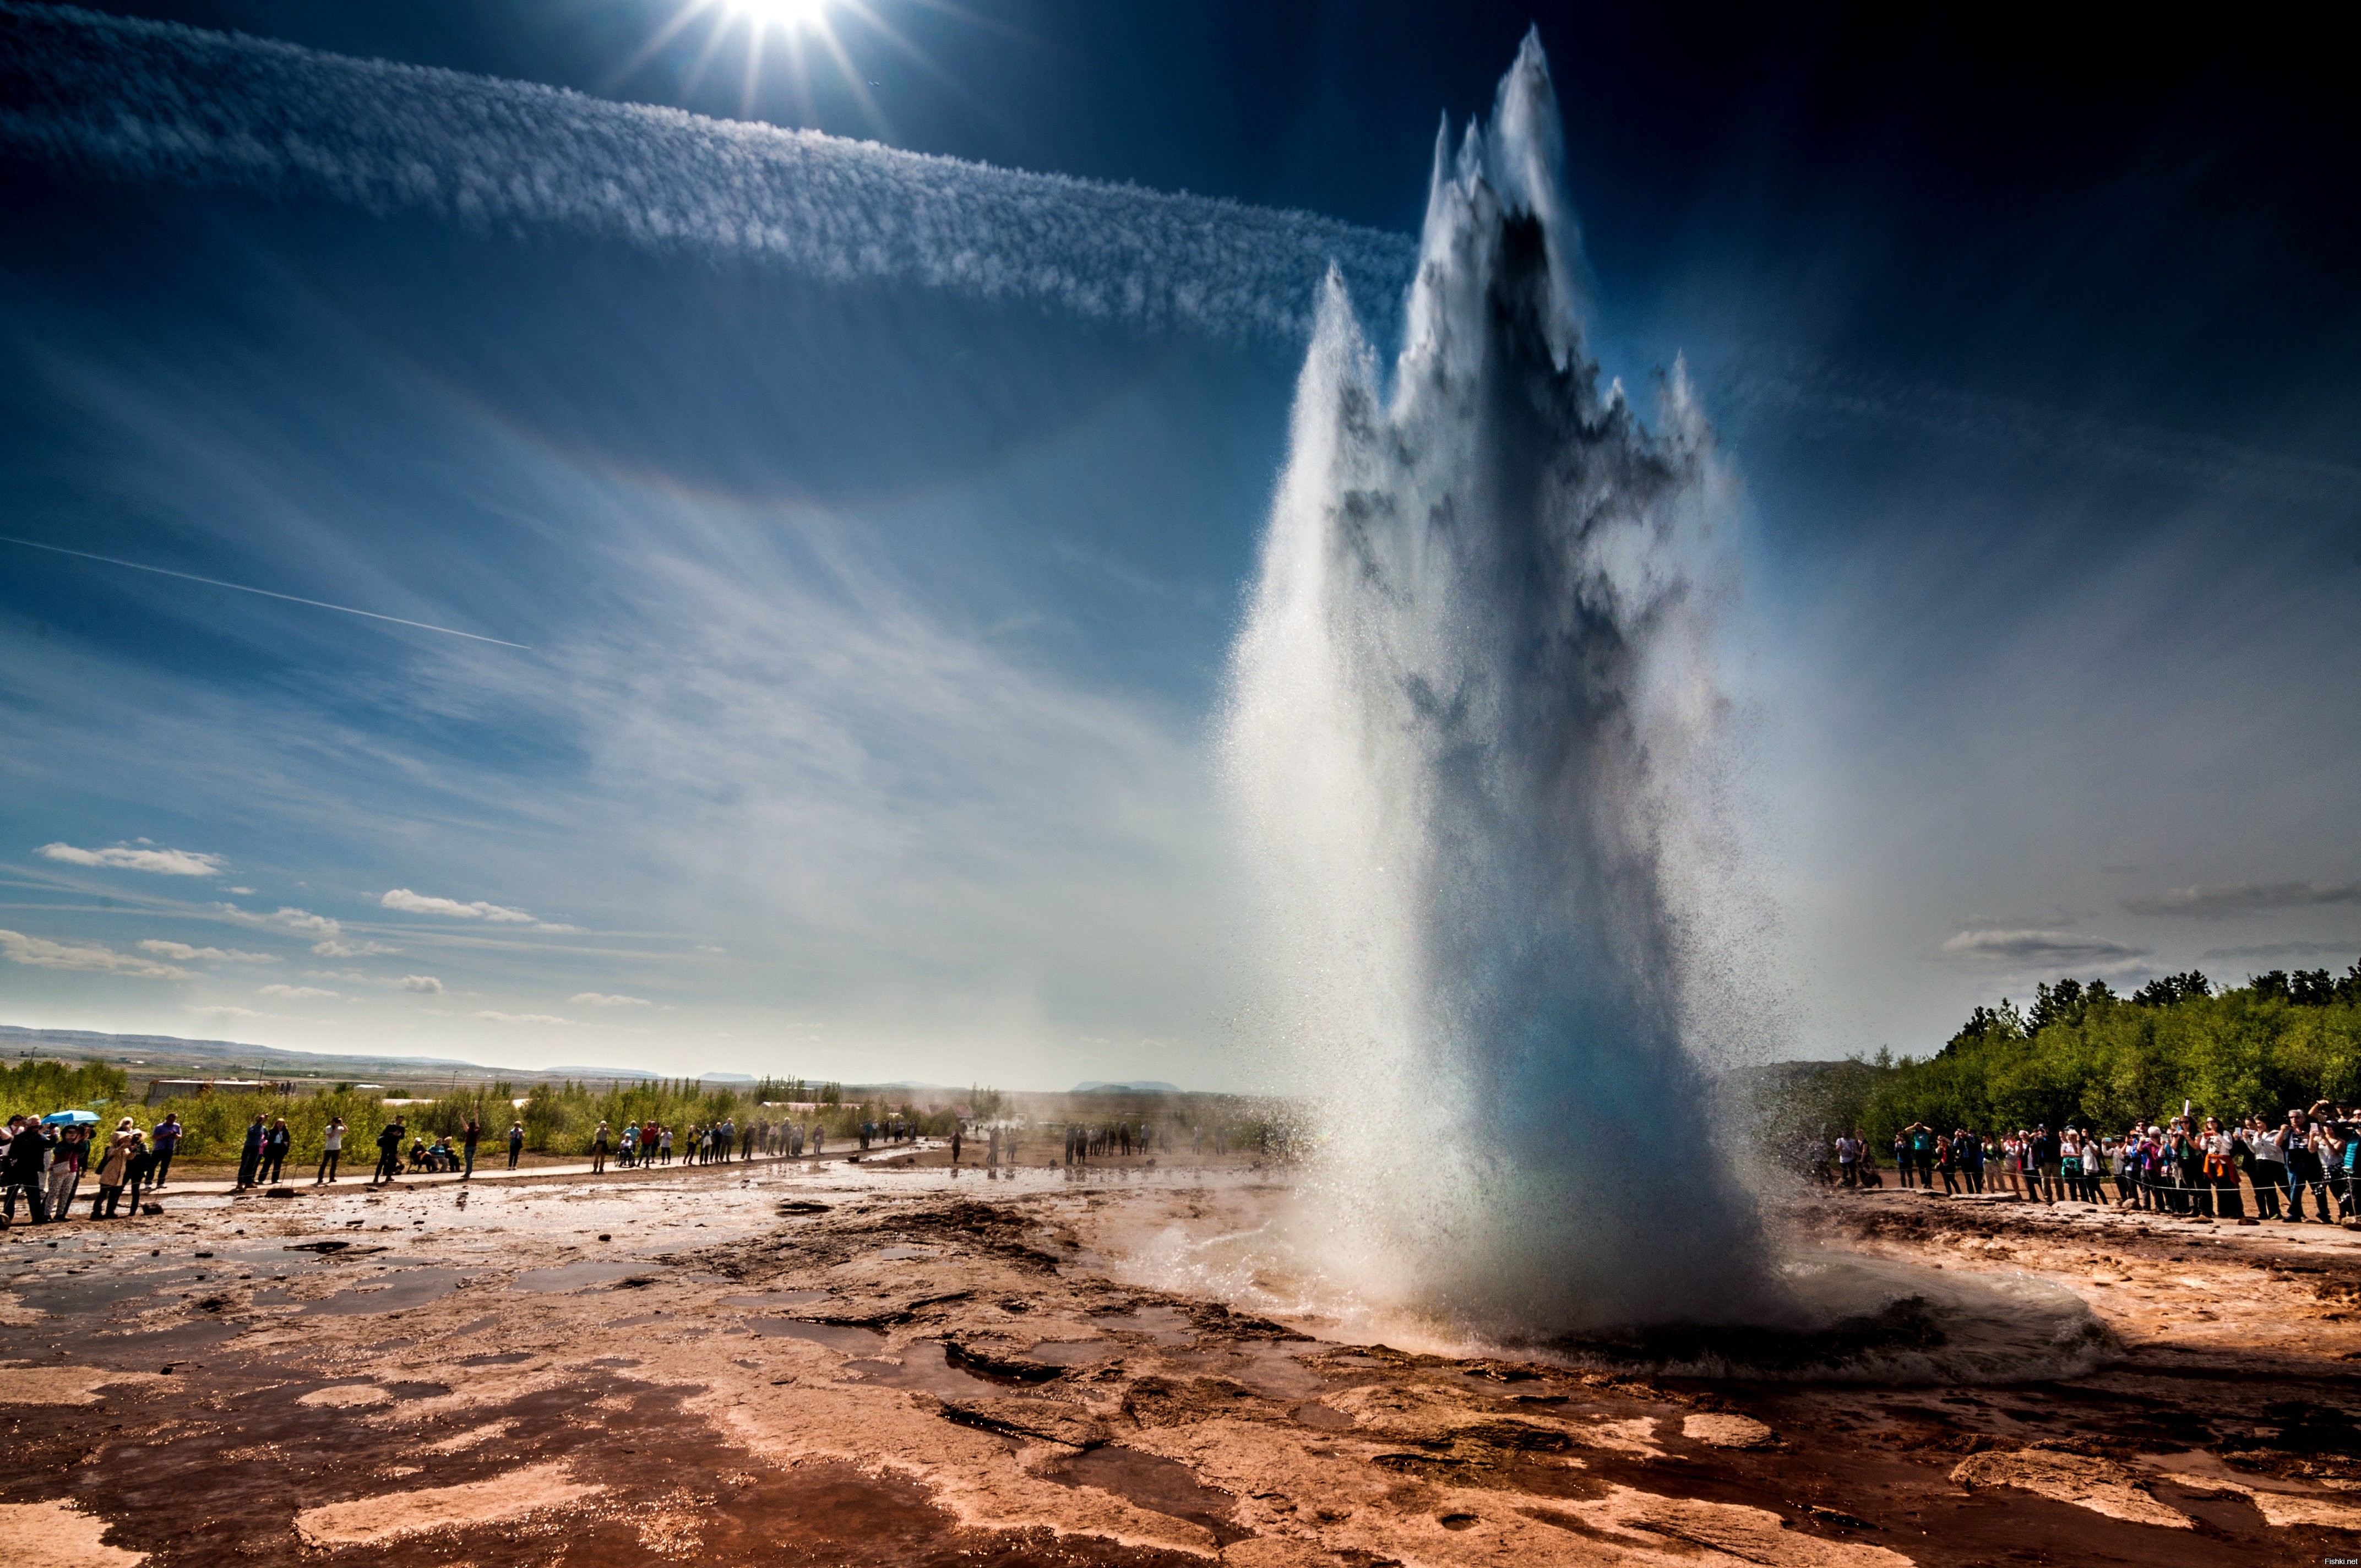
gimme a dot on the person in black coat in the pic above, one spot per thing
(275, 1144)
(24, 1167)
(389, 1151)
(249, 1156)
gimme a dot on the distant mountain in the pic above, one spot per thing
(1140, 1086)
(158, 1050)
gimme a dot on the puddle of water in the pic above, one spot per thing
(761, 1299)
(1316, 1414)
(71, 1295)
(847, 1337)
(1071, 1352)
(1262, 1365)
(154, 1350)
(1155, 1483)
(1165, 1325)
(573, 1275)
(897, 1254)
(925, 1366)
(412, 1287)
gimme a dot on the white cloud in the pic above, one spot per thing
(423, 903)
(90, 957)
(301, 922)
(596, 1000)
(425, 983)
(521, 1018)
(165, 862)
(187, 954)
(352, 975)
(2242, 897)
(2026, 948)
(553, 926)
(294, 991)
(222, 1011)
(351, 950)
(242, 892)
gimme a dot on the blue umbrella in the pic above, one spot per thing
(69, 1119)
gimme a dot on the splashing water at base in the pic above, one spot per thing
(1823, 1316)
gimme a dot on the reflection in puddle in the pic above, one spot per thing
(1152, 1482)
(573, 1275)
(413, 1288)
(925, 1366)
(1165, 1325)
(1262, 1365)
(1071, 1352)
(762, 1298)
(847, 1337)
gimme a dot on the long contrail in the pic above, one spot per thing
(132, 98)
(266, 593)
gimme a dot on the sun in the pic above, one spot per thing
(793, 15)
(797, 36)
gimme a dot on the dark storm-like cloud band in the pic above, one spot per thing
(140, 100)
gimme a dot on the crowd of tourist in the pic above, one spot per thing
(649, 1142)
(46, 1165)
(2182, 1165)
(47, 1161)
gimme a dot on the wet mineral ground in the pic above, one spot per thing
(823, 1364)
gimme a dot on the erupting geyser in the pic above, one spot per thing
(1470, 730)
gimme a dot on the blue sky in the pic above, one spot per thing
(873, 632)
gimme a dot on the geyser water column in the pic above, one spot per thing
(1470, 722)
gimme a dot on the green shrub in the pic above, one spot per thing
(39, 1088)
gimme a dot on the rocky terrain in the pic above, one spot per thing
(819, 1365)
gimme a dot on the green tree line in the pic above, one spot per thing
(559, 1118)
(37, 1088)
(2084, 1055)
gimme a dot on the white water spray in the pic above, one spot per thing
(1472, 733)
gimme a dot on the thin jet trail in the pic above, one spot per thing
(266, 593)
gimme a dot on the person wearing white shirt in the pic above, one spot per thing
(2268, 1166)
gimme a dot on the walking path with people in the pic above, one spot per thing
(489, 1173)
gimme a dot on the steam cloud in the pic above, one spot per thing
(143, 100)
(1471, 731)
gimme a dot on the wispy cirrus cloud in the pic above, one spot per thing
(156, 101)
(2214, 901)
(341, 949)
(2038, 947)
(411, 902)
(595, 999)
(295, 991)
(130, 858)
(492, 1017)
(186, 954)
(40, 952)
